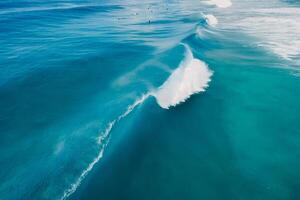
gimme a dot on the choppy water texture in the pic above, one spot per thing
(150, 99)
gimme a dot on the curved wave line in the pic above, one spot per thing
(102, 141)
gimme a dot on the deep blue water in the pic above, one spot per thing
(149, 99)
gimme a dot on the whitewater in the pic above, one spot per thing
(192, 76)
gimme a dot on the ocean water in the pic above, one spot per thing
(150, 99)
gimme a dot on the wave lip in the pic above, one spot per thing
(220, 3)
(192, 76)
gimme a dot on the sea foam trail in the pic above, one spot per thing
(220, 3)
(192, 76)
(102, 142)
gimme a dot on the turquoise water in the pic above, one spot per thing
(149, 100)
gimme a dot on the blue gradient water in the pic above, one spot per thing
(149, 100)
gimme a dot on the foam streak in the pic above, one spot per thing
(102, 141)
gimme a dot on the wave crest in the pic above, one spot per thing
(192, 76)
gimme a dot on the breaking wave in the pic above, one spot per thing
(192, 76)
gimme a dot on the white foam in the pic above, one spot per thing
(211, 20)
(283, 38)
(102, 141)
(192, 76)
(220, 3)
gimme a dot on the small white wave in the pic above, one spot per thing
(192, 76)
(211, 20)
(220, 3)
(102, 141)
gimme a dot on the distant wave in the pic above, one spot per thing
(192, 76)
(283, 38)
(220, 3)
(211, 20)
(102, 141)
